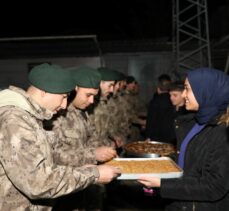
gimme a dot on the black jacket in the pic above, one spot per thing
(160, 117)
(181, 131)
(205, 184)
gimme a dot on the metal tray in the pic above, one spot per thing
(128, 153)
(130, 176)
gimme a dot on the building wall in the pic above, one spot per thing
(15, 71)
(145, 67)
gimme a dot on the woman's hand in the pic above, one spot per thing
(150, 182)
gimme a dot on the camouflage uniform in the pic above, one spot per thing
(130, 106)
(100, 117)
(131, 109)
(135, 127)
(27, 171)
(77, 137)
(119, 126)
(74, 132)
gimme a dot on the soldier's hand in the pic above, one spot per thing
(107, 173)
(104, 153)
(119, 142)
(147, 140)
(88, 165)
(142, 122)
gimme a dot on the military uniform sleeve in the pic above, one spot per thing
(64, 154)
(69, 148)
(100, 121)
(27, 160)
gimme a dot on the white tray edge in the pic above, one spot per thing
(159, 175)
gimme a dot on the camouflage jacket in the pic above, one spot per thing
(136, 103)
(131, 108)
(74, 132)
(27, 171)
(100, 117)
(119, 125)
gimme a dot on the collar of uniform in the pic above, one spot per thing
(34, 108)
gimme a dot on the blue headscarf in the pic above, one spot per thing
(211, 90)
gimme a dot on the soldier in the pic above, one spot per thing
(100, 114)
(28, 174)
(78, 137)
(135, 108)
(119, 126)
(124, 111)
(76, 133)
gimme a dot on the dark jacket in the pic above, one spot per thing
(160, 117)
(181, 131)
(205, 184)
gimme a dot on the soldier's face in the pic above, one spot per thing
(116, 87)
(136, 88)
(54, 102)
(84, 97)
(130, 86)
(122, 85)
(107, 87)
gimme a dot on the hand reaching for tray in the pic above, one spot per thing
(104, 153)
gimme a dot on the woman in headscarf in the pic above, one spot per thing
(204, 151)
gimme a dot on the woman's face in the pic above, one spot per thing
(190, 100)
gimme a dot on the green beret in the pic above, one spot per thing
(51, 78)
(109, 74)
(86, 77)
(122, 76)
(130, 79)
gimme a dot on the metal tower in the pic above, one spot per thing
(191, 46)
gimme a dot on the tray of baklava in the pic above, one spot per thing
(132, 168)
(148, 149)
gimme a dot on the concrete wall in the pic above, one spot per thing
(145, 67)
(15, 71)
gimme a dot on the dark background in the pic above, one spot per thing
(110, 20)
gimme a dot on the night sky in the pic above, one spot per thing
(110, 20)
